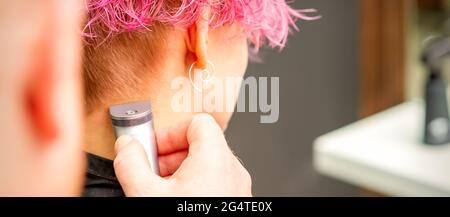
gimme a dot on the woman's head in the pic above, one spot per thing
(135, 48)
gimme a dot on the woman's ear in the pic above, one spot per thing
(197, 39)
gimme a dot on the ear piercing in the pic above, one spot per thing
(209, 70)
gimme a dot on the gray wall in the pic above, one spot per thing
(318, 93)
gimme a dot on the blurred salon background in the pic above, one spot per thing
(362, 58)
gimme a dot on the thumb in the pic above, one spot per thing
(133, 169)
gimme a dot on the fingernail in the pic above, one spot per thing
(123, 140)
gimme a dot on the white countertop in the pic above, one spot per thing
(384, 153)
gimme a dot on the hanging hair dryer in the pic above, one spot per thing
(437, 121)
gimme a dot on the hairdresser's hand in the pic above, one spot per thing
(209, 169)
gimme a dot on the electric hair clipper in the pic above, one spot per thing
(136, 120)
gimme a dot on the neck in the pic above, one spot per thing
(99, 135)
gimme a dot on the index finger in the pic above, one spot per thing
(173, 139)
(204, 134)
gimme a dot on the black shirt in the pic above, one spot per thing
(101, 180)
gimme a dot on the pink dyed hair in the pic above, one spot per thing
(265, 21)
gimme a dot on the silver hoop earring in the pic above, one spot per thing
(210, 66)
